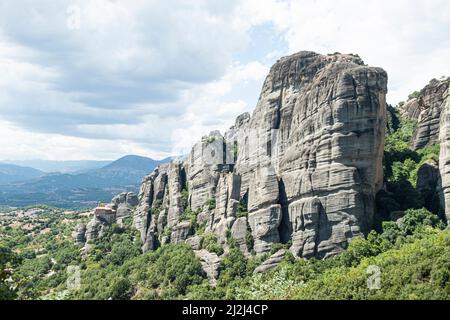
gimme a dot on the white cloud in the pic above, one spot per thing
(409, 39)
(215, 107)
(152, 77)
(120, 76)
(17, 143)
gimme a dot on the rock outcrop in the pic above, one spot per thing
(194, 242)
(239, 232)
(426, 109)
(79, 235)
(304, 167)
(180, 232)
(160, 208)
(120, 207)
(444, 157)
(429, 108)
(428, 176)
(271, 263)
(103, 216)
(124, 204)
(429, 185)
(210, 264)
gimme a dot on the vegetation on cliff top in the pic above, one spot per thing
(401, 166)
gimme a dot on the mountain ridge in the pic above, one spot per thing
(84, 189)
(53, 166)
(14, 173)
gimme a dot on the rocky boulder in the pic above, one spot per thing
(210, 264)
(102, 216)
(194, 242)
(180, 232)
(79, 235)
(272, 262)
(94, 229)
(124, 204)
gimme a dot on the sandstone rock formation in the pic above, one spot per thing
(159, 212)
(120, 207)
(426, 109)
(103, 216)
(429, 108)
(304, 167)
(194, 242)
(429, 185)
(210, 264)
(444, 158)
(79, 235)
(271, 263)
(428, 176)
(239, 232)
(124, 204)
(180, 232)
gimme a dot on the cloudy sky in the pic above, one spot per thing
(98, 79)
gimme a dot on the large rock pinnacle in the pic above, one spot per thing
(304, 167)
(444, 158)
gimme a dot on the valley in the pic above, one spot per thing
(73, 189)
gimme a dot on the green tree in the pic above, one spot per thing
(8, 260)
(121, 289)
(210, 243)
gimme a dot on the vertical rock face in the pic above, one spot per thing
(305, 167)
(121, 206)
(426, 109)
(151, 195)
(79, 235)
(160, 208)
(430, 109)
(124, 203)
(331, 139)
(125, 198)
(103, 216)
(444, 158)
(428, 176)
(210, 264)
(429, 185)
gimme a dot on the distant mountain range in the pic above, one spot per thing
(75, 187)
(13, 173)
(49, 166)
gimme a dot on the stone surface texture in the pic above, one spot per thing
(121, 206)
(444, 157)
(271, 263)
(210, 264)
(426, 110)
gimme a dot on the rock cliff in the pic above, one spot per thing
(120, 207)
(425, 108)
(430, 109)
(303, 169)
(444, 158)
